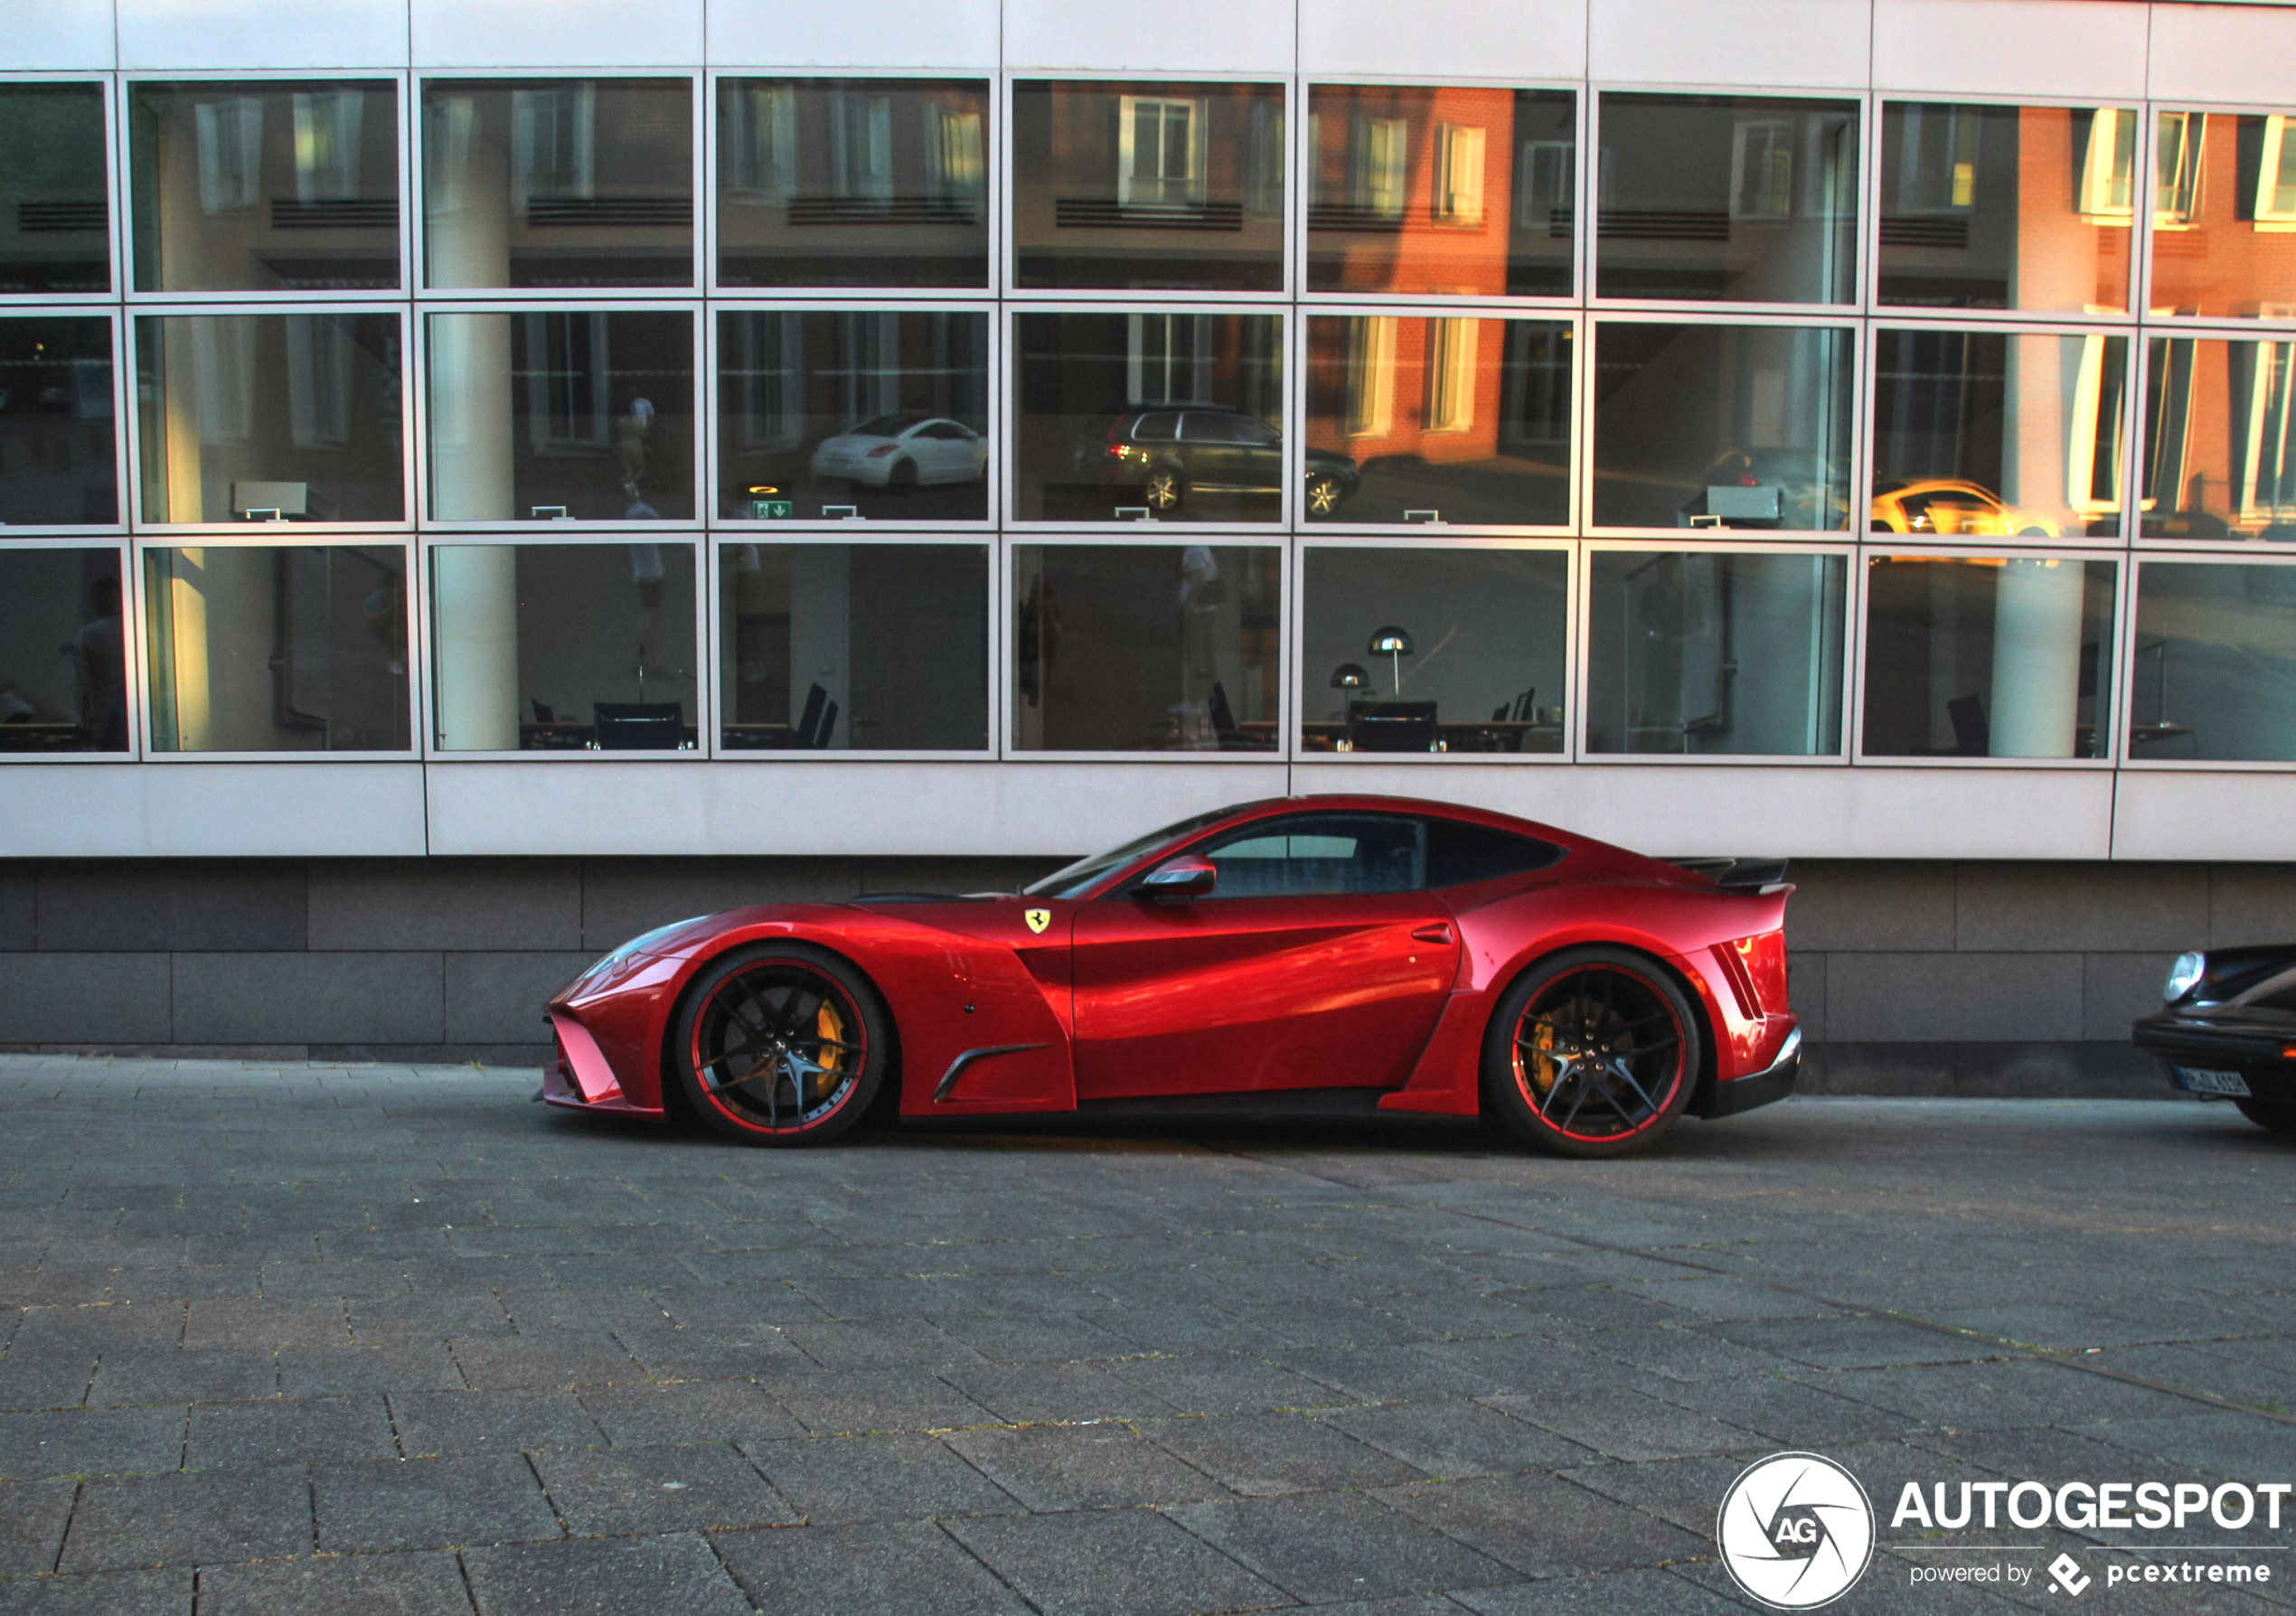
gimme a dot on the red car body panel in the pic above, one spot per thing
(1117, 998)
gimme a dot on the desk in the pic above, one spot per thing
(572, 735)
(44, 737)
(757, 737)
(1474, 735)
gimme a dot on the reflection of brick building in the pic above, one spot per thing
(1427, 387)
(2224, 227)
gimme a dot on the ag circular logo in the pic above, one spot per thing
(1796, 1530)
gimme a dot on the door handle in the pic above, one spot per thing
(1440, 932)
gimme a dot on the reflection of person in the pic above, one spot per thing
(100, 652)
(1201, 590)
(632, 428)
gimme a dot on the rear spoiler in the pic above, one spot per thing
(1763, 876)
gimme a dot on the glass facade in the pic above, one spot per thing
(1987, 656)
(853, 412)
(58, 454)
(1434, 650)
(55, 200)
(2021, 208)
(853, 647)
(853, 182)
(1767, 451)
(564, 648)
(1715, 652)
(243, 186)
(278, 648)
(546, 183)
(63, 652)
(270, 417)
(1421, 189)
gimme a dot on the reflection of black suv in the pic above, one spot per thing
(1169, 452)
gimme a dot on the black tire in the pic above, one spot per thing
(1323, 494)
(796, 1039)
(2274, 1117)
(902, 477)
(1162, 489)
(1592, 1053)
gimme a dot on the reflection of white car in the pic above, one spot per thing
(905, 451)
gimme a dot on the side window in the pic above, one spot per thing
(1157, 428)
(1459, 853)
(1320, 853)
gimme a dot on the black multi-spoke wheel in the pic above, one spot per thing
(1593, 1053)
(780, 1043)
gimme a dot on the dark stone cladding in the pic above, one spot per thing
(1968, 978)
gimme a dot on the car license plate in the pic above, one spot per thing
(2201, 1081)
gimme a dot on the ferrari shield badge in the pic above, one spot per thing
(1038, 920)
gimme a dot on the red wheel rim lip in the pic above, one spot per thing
(1660, 1104)
(846, 1006)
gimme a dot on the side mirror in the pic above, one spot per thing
(1187, 875)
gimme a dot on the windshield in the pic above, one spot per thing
(1076, 876)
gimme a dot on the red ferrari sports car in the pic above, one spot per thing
(1325, 953)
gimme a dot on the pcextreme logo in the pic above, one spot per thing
(1796, 1531)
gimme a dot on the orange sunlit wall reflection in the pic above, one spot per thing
(1445, 191)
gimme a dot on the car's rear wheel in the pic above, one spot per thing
(2277, 1115)
(903, 475)
(1592, 1053)
(1163, 488)
(781, 1043)
(1323, 494)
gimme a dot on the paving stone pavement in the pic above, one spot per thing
(372, 1339)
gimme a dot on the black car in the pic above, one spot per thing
(1169, 452)
(2227, 1031)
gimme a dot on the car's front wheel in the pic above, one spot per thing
(2276, 1115)
(781, 1043)
(1592, 1053)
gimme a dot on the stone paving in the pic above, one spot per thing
(347, 1340)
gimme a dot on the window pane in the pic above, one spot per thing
(853, 182)
(1453, 420)
(1456, 190)
(2220, 445)
(2005, 207)
(1715, 655)
(562, 413)
(264, 417)
(1741, 198)
(879, 648)
(63, 652)
(1144, 648)
(1722, 426)
(53, 208)
(1172, 413)
(1150, 185)
(884, 413)
(1986, 658)
(2213, 671)
(564, 647)
(1983, 434)
(1432, 649)
(269, 648)
(57, 462)
(1310, 854)
(558, 182)
(2223, 215)
(257, 187)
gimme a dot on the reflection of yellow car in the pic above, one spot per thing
(1944, 507)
